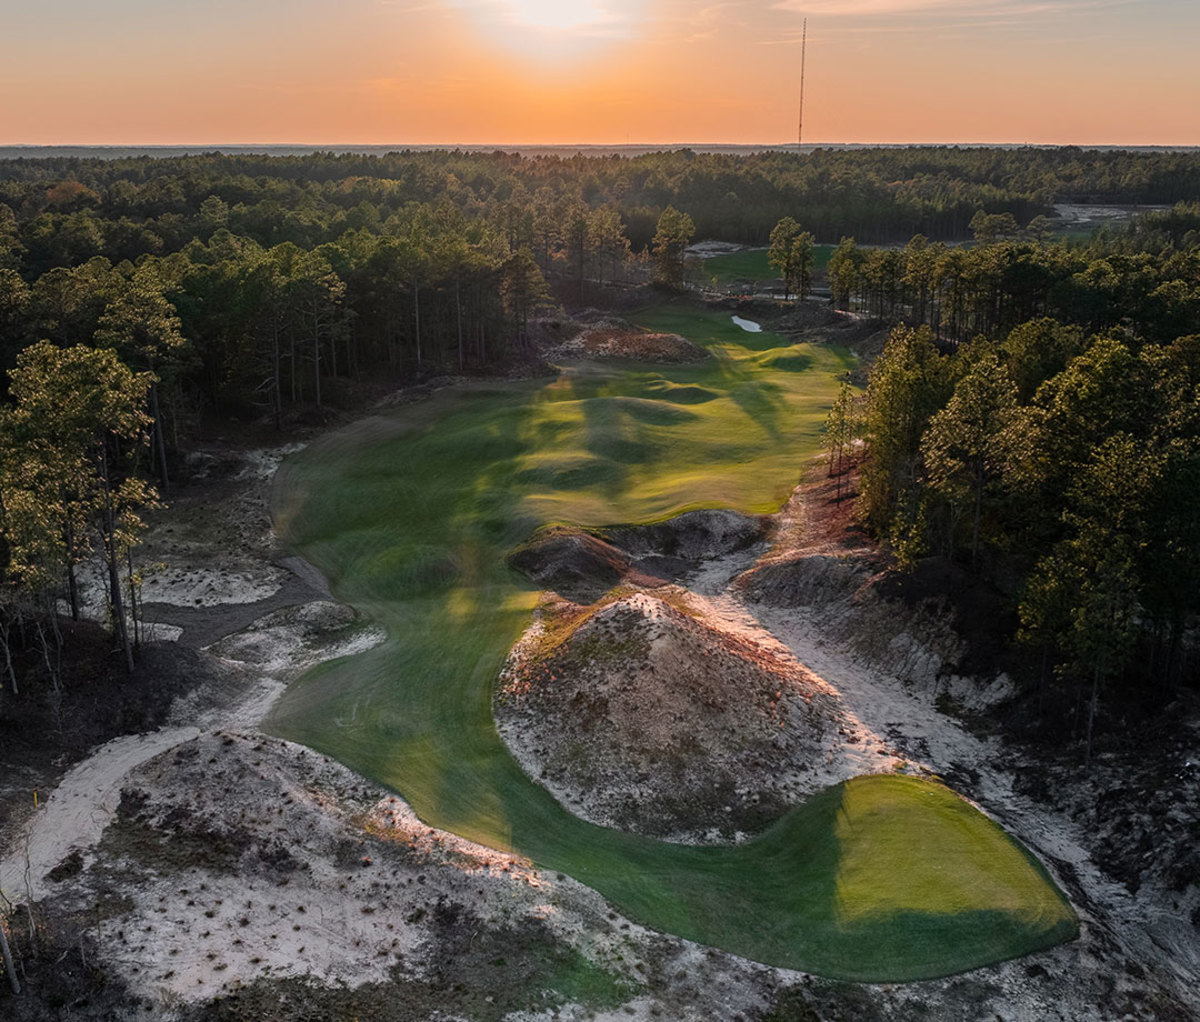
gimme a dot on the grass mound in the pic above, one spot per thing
(447, 482)
(897, 868)
(792, 363)
(574, 563)
(679, 394)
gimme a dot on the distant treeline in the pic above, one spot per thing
(1145, 276)
(280, 273)
(125, 208)
(269, 279)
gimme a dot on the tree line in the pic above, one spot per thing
(63, 211)
(108, 362)
(1147, 274)
(1061, 462)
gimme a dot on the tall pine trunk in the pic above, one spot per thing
(120, 626)
(158, 438)
(1091, 717)
(9, 970)
(417, 321)
(134, 614)
(277, 394)
(9, 669)
(978, 515)
(72, 581)
(317, 355)
(458, 311)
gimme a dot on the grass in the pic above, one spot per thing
(410, 516)
(751, 265)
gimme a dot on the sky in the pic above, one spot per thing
(602, 72)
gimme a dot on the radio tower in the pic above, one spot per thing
(803, 50)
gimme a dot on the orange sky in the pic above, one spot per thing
(508, 72)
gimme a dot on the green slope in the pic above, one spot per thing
(410, 516)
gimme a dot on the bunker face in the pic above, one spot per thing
(411, 517)
(747, 324)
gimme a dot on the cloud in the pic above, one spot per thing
(708, 21)
(596, 18)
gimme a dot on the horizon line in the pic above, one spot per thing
(494, 146)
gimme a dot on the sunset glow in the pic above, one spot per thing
(552, 15)
(601, 71)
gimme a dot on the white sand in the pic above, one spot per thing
(747, 324)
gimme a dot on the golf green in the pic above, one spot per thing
(410, 516)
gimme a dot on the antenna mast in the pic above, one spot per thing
(803, 52)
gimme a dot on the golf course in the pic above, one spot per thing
(410, 515)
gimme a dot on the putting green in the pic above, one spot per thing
(410, 516)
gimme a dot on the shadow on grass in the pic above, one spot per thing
(759, 399)
(411, 525)
(790, 363)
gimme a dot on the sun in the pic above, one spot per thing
(553, 15)
(553, 32)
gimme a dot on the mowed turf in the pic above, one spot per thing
(411, 514)
(752, 265)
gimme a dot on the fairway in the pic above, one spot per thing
(410, 516)
(752, 265)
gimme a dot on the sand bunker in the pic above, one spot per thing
(747, 324)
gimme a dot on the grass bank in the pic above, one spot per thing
(410, 516)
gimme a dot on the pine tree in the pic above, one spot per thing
(77, 419)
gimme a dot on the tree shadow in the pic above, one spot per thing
(761, 400)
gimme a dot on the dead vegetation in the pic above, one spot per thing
(643, 710)
(604, 337)
(242, 861)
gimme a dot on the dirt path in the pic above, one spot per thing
(217, 582)
(864, 744)
(75, 815)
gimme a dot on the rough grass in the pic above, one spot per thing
(410, 515)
